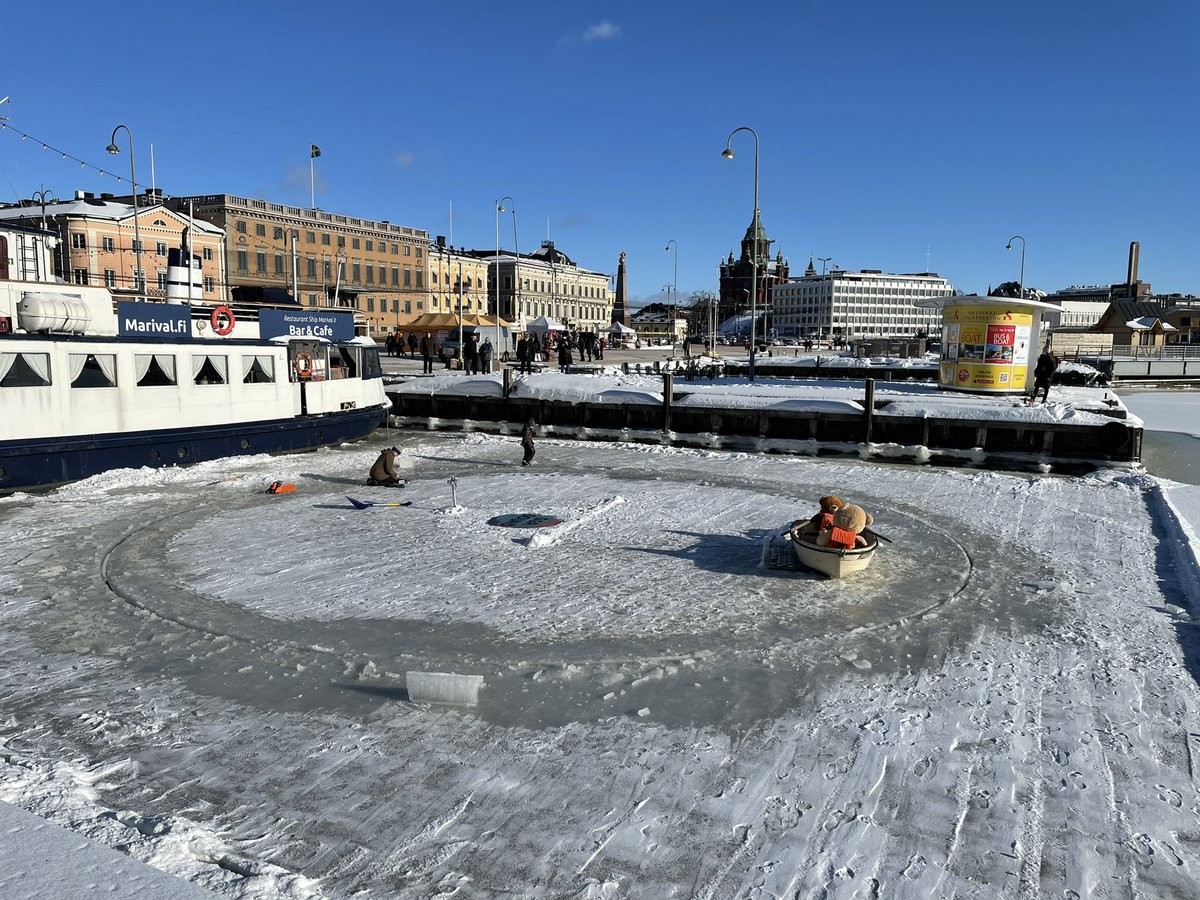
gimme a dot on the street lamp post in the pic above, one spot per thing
(40, 196)
(137, 232)
(458, 354)
(675, 290)
(500, 209)
(728, 154)
(1008, 246)
(670, 318)
(823, 260)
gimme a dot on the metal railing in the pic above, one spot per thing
(1137, 351)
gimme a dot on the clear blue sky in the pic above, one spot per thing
(892, 134)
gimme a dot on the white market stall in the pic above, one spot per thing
(620, 335)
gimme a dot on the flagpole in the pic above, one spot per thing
(312, 181)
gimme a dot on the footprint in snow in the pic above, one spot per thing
(915, 868)
(1169, 796)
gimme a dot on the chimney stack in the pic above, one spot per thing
(1131, 276)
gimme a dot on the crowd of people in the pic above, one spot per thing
(478, 356)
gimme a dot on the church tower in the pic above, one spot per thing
(736, 276)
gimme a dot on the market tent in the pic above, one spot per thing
(543, 324)
(435, 322)
(618, 328)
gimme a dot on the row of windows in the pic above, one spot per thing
(310, 237)
(109, 245)
(82, 276)
(383, 304)
(99, 370)
(355, 273)
(536, 285)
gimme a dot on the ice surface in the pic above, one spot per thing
(1004, 705)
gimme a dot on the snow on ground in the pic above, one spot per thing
(213, 679)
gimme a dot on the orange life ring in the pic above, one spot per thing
(304, 364)
(223, 320)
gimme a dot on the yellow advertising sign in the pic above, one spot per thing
(985, 348)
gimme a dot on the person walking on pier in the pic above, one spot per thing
(427, 351)
(1043, 374)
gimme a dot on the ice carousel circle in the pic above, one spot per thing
(635, 565)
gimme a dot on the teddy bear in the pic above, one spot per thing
(808, 528)
(849, 521)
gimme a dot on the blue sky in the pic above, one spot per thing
(892, 135)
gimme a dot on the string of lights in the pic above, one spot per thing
(6, 125)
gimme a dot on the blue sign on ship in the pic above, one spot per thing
(154, 320)
(313, 323)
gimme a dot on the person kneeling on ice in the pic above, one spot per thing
(384, 471)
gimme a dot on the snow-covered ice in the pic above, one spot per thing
(212, 678)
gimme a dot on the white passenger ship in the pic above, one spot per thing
(90, 383)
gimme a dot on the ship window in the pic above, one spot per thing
(89, 370)
(371, 364)
(343, 362)
(210, 370)
(154, 369)
(24, 369)
(258, 369)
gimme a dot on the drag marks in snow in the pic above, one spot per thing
(1028, 739)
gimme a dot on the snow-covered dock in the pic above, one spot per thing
(1079, 429)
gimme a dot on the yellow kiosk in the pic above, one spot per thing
(989, 344)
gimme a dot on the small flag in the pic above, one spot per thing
(316, 151)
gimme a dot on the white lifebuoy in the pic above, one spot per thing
(223, 320)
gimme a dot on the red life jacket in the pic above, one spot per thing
(826, 520)
(840, 537)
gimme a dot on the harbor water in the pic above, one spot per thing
(1171, 444)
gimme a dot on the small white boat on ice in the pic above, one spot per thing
(788, 548)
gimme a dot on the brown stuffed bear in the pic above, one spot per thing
(808, 528)
(849, 521)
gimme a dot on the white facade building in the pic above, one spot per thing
(549, 283)
(849, 305)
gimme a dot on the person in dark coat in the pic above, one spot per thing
(485, 356)
(390, 345)
(564, 355)
(427, 353)
(527, 443)
(470, 355)
(412, 343)
(524, 367)
(1043, 374)
(383, 473)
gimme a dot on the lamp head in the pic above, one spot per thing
(727, 153)
(114, 149)
(1008, 246)
(499, 207)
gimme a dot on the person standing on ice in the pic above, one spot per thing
(527, 443)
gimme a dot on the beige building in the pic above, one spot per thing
(549, 283)
(454, 277)
(374, 267)
(98, 243)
